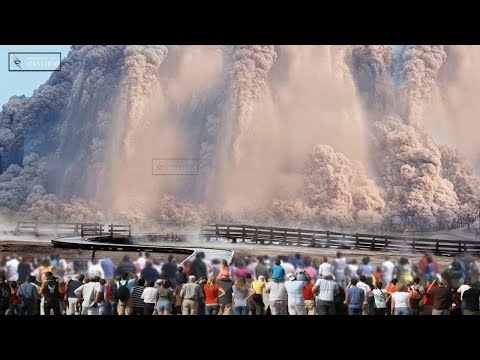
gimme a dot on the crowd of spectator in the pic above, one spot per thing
(249, 285)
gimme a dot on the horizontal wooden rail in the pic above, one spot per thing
(330, 239)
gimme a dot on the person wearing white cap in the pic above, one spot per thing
(296, 304)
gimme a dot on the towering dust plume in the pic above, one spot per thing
(318, 135)
(420, 69)
(250, 71)
(140, 74)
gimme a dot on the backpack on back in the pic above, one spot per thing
(123, 294)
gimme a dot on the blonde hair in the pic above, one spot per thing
(211, 282)
(241, 282)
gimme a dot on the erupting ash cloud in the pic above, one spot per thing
(339, 189)
(410, 171)
(277, 132)
(139, 78)
(456, 170)
(250, 70)
(421, 66)
(373, 66)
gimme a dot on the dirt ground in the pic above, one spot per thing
(43, 249)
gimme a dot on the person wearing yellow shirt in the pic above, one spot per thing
(258, 286)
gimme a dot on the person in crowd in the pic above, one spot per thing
(380, 296)
(27, 294)
(277, 297)
(212, 292)
(181, 277)
(258, 287)
(470, 300)
(51, 295)
(278, 272)
(89, 294)
(325, 268)
(327, 289)
(149, 297)
(224, 273)
(150, 274)
(165, 299)
(73, 284)
(199, 268)
(136, 296)
(442, 298)
(400, 300)
(339, 265)
(355, 298)
(126, 266)
(169, 271)
(309, 297)
(190, 293)
(241, 293)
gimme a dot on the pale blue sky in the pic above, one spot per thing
(23, 83)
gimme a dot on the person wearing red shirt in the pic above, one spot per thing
(309, 298)
(212, 291)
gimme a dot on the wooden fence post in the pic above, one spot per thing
(284, 240)
(299, 240)
(372, 246)
(227, 234)
(312, 244)
(357, 241)
(255, 235)
(244, 233)
(328, 239)
(271, 236)
(437, 247)
(216, 232)
(386, 241)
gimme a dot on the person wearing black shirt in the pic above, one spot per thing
(51, 295)
(470, 300)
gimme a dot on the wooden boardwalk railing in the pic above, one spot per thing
(330, 239)
(71, 229)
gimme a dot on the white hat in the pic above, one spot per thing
(290, 276)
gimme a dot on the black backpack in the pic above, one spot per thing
(123, 294)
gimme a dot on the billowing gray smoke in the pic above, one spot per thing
(406, 160)
(373, 66)
(420, 69)
(250, 70)
(140, 75)
(337, 192)
(410, 170)
(459, 173)
(94, 127)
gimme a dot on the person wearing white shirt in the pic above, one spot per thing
(11, 269)
(339, 265)
(387, 271)
(95, 269)
(368, 293)
(91, 293)
(289, 268)
(325, 269)
(149, 296)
